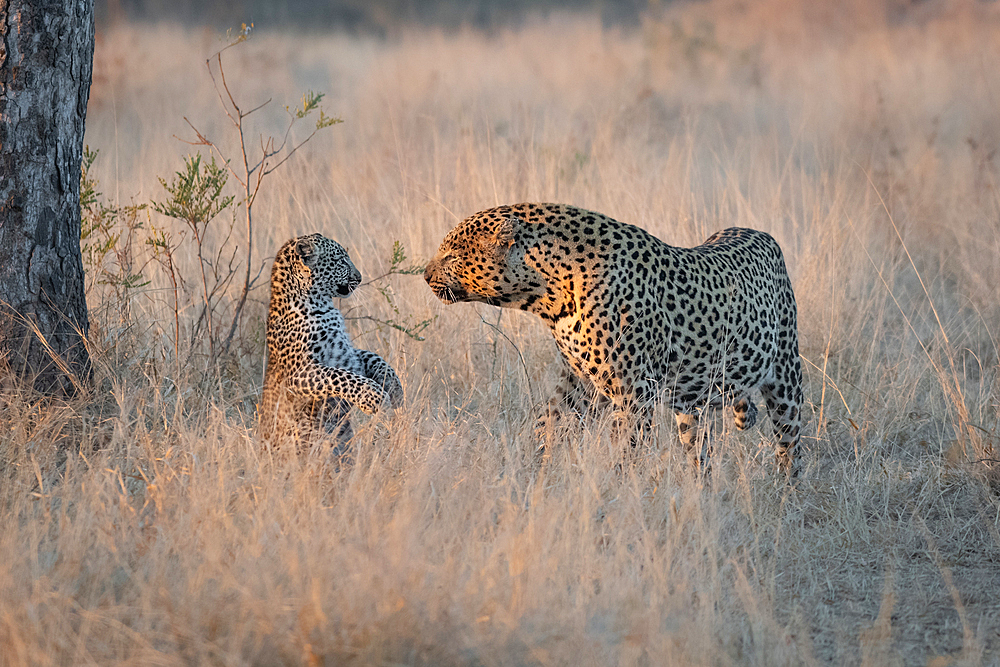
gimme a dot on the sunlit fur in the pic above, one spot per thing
(638, 319)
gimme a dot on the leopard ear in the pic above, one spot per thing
(507, 231)
(304, 249)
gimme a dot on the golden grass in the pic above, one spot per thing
(145, 526)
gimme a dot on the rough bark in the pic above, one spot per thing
(46, 58)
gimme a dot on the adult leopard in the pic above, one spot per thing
(314, 373)
(639, 320)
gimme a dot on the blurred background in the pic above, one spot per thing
(384, 17)
(379, 17)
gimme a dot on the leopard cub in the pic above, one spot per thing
(314, 373)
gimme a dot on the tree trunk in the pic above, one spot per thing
(46, 57)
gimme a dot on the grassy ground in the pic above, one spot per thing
(145, 525)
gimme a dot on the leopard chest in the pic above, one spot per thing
(303, 331)
(328, 342)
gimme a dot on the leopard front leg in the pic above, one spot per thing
(315, 381)
(577, 394)
(379, 370)
(572, 397)
(784, 405)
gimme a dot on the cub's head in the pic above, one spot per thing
(482, 260)
(314, 263)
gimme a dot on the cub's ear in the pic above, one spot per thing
(507, 231)
(304, 249)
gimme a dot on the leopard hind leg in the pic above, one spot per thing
(744, 413)
(784, 405)
(336, 422)
(696, 440)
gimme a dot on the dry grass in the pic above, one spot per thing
(146, 526)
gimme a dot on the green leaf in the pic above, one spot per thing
(326, 121)
(195, 193)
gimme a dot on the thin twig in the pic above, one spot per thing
(291, 153)
(204, 141)
(208, 64)
(527, 376)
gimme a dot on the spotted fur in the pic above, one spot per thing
(637, 320)
(314, 373)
